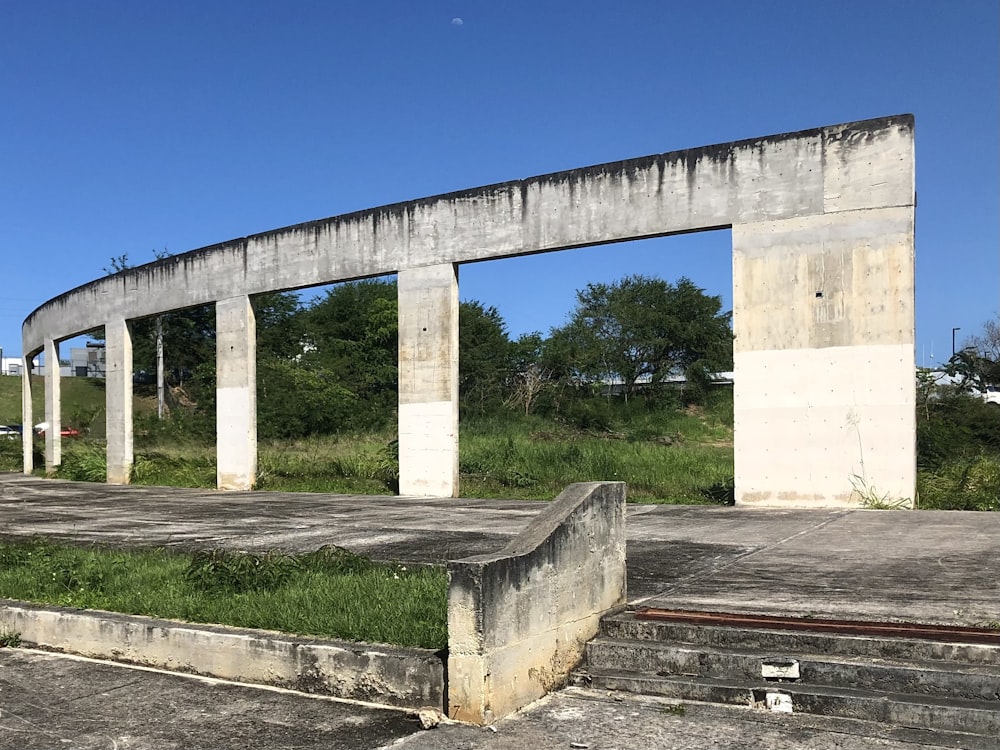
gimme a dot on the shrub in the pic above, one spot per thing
(83, 462)
(971, 483)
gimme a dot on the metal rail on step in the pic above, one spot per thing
(951, 633)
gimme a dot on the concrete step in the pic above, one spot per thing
(939, 686)
(978, 719)
(872, 733)
(768, 641)
(930, 678)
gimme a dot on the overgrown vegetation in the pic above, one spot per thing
(329, 593)
(958, 446)
(666, 454)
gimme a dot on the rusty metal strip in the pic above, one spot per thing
(817, 625)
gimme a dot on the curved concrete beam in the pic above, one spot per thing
(770, 178)
(823, 313)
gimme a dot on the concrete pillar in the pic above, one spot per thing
(428, 381)
(824, 358)
(27, 417)
(53, 404)
(236, 394)
(118, 400)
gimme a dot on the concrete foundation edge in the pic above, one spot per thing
(377, 673)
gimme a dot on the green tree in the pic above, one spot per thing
(351, 335)
(280, 325)
(978, 363)
(642, 328)
(295, 400)
(530, 377)
(485, 357)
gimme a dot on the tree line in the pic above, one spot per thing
(329, 364)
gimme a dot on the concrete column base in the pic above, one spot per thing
(118, 401)
(236, 394)
(27, 417)
(53, 407)
(428, 381)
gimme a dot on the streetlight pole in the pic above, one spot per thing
(953, 340)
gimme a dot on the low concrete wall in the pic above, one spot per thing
(518, 620)
(405, 677)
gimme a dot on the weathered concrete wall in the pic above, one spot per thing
(827, 210)
(518, 620)
(824, 334)
(406, 677)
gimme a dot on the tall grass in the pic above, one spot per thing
(329, 593)
(513, 460)
(358, 464)
(11, 458)
(665, 457)
(966, 483)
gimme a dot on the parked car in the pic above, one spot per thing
(9, 432)
(41, 427)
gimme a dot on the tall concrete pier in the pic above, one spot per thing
(822, 227)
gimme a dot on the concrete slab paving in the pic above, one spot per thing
(590, 720)
(59, 701)
(923, 567)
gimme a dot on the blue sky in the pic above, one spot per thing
(129, 127)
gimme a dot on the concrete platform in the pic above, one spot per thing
(917, 567)
(920, 567)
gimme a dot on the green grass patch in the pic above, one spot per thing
(533, 460)
(363, 464)
(329, 593)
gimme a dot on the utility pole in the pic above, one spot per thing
(159, 367)
(160, 255)
(953, 340)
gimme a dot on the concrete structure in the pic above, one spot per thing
(394, 676)
(822, 226)
(931, 567)
(518, 623)
(519, 619)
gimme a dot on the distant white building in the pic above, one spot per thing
(89, 361)
(84, 362)
(10, 366)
